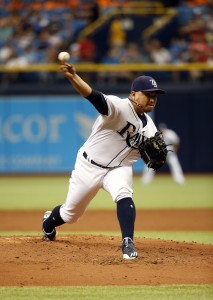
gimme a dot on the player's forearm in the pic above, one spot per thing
(77, 82)
(80, 86)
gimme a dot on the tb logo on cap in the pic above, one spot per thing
(153, 82)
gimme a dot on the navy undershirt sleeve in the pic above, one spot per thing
(99, 102)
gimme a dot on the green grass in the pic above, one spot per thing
(163, 292)
(163, 192)
(203, 237)
(47, 192)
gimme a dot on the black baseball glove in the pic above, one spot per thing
(153, 151)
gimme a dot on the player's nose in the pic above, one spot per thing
(152, 99)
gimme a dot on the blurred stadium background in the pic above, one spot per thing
(43, 121)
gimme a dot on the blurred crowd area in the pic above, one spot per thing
(34, 32)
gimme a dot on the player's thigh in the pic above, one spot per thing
(84, 184)
(118, 182)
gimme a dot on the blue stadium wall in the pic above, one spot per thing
(42, 133)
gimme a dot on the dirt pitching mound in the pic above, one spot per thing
(80, 259)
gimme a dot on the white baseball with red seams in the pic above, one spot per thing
(63, 56)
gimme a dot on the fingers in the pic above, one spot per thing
(67, 68)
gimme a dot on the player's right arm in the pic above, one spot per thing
(77, 82)
(95, 97)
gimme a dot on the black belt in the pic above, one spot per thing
(93, 162)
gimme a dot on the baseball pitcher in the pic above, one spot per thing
(122, 133)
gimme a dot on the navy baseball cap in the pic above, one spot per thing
(145, 84)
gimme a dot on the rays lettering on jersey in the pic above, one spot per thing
(132, 140)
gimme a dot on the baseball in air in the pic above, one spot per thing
(63, 56)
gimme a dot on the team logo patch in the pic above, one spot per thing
(153, 82)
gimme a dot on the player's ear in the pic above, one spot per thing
(132, 94)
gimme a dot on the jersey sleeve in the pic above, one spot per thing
(98, 100)
(116, 106)
(106, 105)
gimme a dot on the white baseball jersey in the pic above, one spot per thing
(105, 160)
(115, 138)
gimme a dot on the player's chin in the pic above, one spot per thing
(149, 108)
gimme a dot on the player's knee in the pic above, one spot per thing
(123, 193)
(69, 216)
